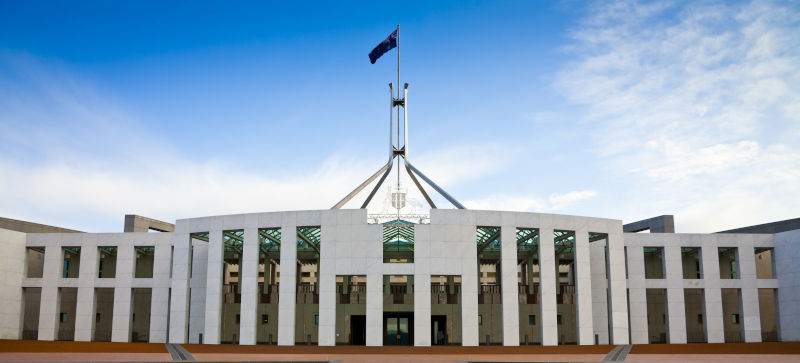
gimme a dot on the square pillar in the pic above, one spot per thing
(287, 289)
(637, 296)
(249, 281)
(422, 285)
(121, 323)
(85, 309)
(469, 287)
(197, 291)
(327, 284)
(216, 252)
(583, 283)
(548, 286)
(159, 298)
(715, 331)
(599, 291)
(375, 308)
(676, 306)
(617, 284)
(50, 300)
(422, 309)
(179, 300)
(751, 314)
(508, 280)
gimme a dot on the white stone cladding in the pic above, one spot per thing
(183, 308)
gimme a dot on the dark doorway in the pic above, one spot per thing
(358, 330)
(398, 328)
(438, 329)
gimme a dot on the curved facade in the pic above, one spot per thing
(459, 277)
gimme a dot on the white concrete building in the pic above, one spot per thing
(459, 277)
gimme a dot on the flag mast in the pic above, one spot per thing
(395, 151)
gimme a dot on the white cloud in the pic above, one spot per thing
(696, 102)
(555, 202)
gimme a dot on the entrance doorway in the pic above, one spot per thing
(358, 330)
(438, 329)
(398, 328)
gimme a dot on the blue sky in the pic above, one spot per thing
(616, 109)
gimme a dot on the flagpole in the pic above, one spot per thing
(398, 129)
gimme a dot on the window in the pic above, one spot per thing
(558, 319)
(133, 317)
(62, 317)
(237, 318)
(699, 318)
(97, 317)
(531, 319)
(316, 319)
(264, 318)
(735, 318)
(65, 270)
(480, 319)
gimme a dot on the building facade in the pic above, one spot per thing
(455, 277)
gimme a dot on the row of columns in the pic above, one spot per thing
(286, 309)
(714, 323)
(50, 302)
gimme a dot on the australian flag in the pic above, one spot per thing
(384, 47)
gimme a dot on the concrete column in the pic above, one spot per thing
(179, 301)
(751, 315)
(287, 287)
(599, 291)
(121, 323)
(617, 284)
(197, 292)
(216, 254)
(583, 284)
(159, 298)
(422, 309)
(249, 284)
(85, 309)
(375, 309)
(50, 300)
(715, 331)
(548, 286)
(327, 284)
(638, 296)
(508, 265)
(422, 287)
(12, 272)
(676, 307)
(469, 287)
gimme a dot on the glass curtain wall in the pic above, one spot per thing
(565, 274)
(490, 309)
(530, 329)
(232, 242)
(269, 264)
(307, 300)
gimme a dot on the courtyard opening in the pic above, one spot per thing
(695, 306)
(732, 315)
(269, 267)
(490, 297)
(530, 330)
(566, 319)
(232, 242)
(103, 314)
(657, 330)
(306, 331)
(445, 310)
(140, 314)
(351, 310)
(398, 310)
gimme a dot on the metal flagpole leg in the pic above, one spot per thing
(374, 190)
(363, 185)
(434, 186)
(419, 186)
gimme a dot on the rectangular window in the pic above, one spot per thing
(653, 262)
(699, 318)
(398, 241)
(480, 319)
(690, 260)
(97, 317)
(71, 262)
(144, 262)
(735, 318)
(728, 263)
(107, 264)
(264, 319)
(316, 319)
(765, 268)
(63, 317)
(237, 318)
(558, 319)
(35, 261)
(531, 319)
